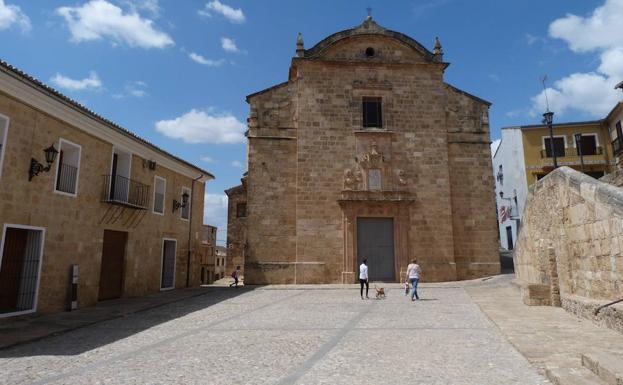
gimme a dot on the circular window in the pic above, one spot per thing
(370, 52)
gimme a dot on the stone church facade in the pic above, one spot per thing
(365, 152)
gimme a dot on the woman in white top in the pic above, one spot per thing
(413, 276)
(363, 277)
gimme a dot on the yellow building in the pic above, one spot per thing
(593, 155)
(613, 123)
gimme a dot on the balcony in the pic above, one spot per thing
(123, 191)
(571, 152)
(569, 157)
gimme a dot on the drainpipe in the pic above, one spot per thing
(190, 228)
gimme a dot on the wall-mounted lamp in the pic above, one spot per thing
(36, 167)
(184, 203)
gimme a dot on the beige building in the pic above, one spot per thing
(107, 210)
(365, 151)
(206, 249)
(220, 262)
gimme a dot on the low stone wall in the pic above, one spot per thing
(568, 251)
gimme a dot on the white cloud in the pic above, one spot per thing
(231, 14)
(590, 92)
(229, 45)
(99, 19)
(12, 14)
(134, 89)
(92, 82)
(601, 30)
(206, 159)
(205, 61)
(236, 163)
(215, 213)
(197, 126)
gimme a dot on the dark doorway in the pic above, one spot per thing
(113, 257)
(375, 241)
(167, 280)
(19, 271)
(509, 237)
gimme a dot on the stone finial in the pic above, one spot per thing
(300, 47)
(438, 51)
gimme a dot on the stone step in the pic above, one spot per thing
(573, 376)
(608, 366)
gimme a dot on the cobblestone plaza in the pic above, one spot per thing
(282, 335)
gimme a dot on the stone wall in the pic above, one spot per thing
(473, 203)
(236, 227)
(569, 246)
(75, 225)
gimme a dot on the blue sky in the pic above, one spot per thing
(177, 72)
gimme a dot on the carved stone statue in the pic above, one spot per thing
(402, 177)
(349, 180)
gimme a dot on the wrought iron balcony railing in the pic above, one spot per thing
(124, 191)
(67, 178)
(572, 152)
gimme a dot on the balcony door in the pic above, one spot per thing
(120, 176)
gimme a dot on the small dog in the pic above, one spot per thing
(380, 292)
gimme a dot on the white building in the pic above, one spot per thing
(511, 188)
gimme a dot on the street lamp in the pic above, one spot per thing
(548, 118)
(578, 144)
(183, 203)
(36, 167)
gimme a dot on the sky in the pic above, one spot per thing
(176, 72)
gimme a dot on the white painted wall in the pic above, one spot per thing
(510, 155)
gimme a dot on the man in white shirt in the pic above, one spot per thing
(413, 276)
(363, 277)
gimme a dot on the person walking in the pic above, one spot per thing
(413, 276)
(363, 277)
(235, 275)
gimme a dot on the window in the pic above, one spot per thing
(559, 146)
(20, 269)
(185, 211)
(374, 179)
(241, 210)
(67, 168)
(588, 145)
(500, 176)
(372, 112)
(4, 129)
(159, 192)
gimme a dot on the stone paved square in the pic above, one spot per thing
(271, 335)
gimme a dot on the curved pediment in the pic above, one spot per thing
(371, 42)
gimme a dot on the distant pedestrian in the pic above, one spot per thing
(413, 276)
(235, 275)
(363, 277)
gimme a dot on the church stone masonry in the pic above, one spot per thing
(366, 152)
